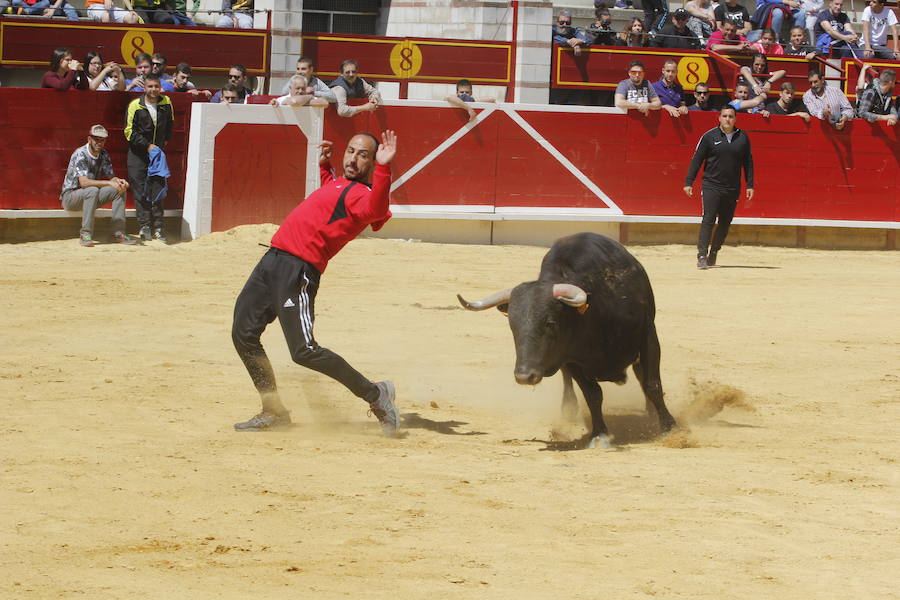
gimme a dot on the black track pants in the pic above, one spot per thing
(721, 204)
(285, 287)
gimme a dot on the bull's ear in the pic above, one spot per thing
(504, 308)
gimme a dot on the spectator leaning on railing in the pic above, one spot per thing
(826, 102)
(181, 82)
(728, 40)
(798, 46)
(464, 96)
(307, 68)
(635, 93)
(786, 104)
(301, 94)
(876, 103)
(142, 68)
(350, 85)
(670, 92)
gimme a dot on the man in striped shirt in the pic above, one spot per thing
(826, 102)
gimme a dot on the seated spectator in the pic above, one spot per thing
(464, 96)
(600, 32)
(46, 9)
(65, 72)
(786, 104)
(158, 63)
(876, 103)
(827, 102)
(107, 12)
(4, 5)
(767, 44)
(182, 81)
(669, 91)
(798, 46)
(778, 10)
(743, 102)
(350, 85)
(758, 77)
(565, 35)
(635, 92)
(834, 32)
(812, 8)
(104, 77)
(635, 35)
(237, 75)
(180, 12)
(656, 13)
(90, 182)
(301, 94)
(237, 14)
(229, 94)
(701, 97)
(728, 40)
(703, 18)
(307, 68)
(876, 19)
(732, 12)
(142, 69)
(676, 34)
(154, 11)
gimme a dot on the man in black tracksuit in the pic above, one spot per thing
(725, 150)
(147, 126)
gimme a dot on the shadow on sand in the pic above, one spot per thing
(625, 429)
(416, 421)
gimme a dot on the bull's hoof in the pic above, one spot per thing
(602, 441)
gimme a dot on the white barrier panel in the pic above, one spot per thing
(207, 120)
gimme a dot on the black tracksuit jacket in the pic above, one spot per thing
(724, 160)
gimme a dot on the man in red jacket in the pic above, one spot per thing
(285, 282)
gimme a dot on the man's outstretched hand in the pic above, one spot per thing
(325, 148)
(387, 149)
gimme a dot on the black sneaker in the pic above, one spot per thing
(160, 236)
(264, 421)
(711, 259)
(702, 262)
(384, 408)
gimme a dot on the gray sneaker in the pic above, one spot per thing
(384, 408)
(264, 421)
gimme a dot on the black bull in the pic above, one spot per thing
(590, 314)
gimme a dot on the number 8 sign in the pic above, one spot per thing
(691, 71)
(136, 41)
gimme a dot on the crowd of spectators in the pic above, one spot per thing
(231, 14)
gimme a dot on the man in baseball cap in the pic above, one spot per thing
(90, 183)
(676, 34)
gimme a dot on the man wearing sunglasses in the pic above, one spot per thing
(636, 93)
(90, 183)
(566, 35)
(701, 97)
(237, 75)
(158, 63)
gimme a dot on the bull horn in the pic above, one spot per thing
(491, 301)
(569, 294)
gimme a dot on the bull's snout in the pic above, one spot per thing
(528, 376)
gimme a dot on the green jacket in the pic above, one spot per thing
(140, 131)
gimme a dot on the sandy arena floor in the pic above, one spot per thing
(122, 477)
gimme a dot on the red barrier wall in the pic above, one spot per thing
(41, 128)
(804, 171)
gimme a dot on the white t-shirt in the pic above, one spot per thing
(151, 108)
(878, 24)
